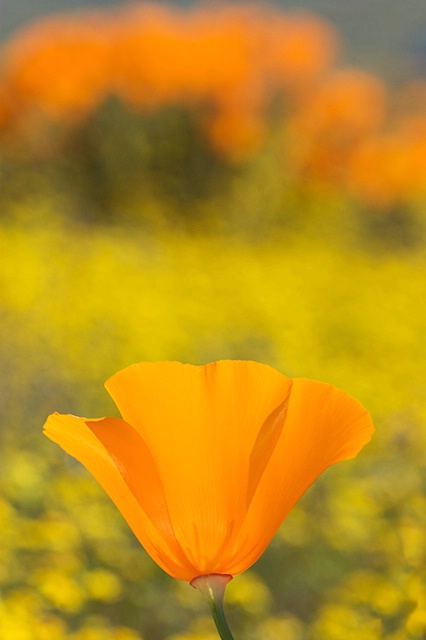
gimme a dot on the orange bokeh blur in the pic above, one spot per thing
(347, 106)
(226, 63)
(230, 67)
(58, 66)
(389, 169)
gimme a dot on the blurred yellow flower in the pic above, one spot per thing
(208, 460)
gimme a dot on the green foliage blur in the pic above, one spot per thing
(139, 243)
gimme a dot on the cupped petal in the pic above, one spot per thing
(323, 426)
(116, 455)
(211, 431)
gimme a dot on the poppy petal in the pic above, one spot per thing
(115, 454)
(323, 426)
(201, 425)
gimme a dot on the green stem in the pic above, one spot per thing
(212, 586)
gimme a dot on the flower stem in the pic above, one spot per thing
(212, 586)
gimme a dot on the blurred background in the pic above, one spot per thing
(197, 182)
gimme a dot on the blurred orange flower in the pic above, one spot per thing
(227, 64)
(59, 65)
(391, 168)
(208, 460)
(346, 108)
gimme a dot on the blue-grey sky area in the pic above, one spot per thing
(385, 36)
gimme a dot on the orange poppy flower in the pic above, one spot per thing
(208, 460)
